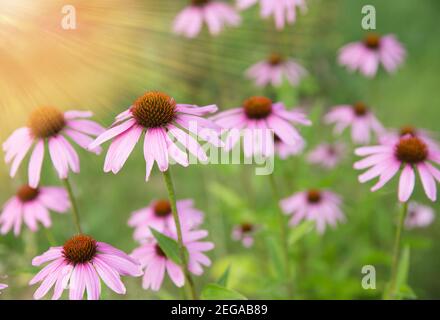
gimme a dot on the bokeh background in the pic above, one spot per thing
(124, 47)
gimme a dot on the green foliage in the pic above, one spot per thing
(213, 291)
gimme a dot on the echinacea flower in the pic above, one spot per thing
(79, 265)
(215, 14)
(274, 69)
(259, 116)
(366, 55)
(359, 117)
(409, 153)
(419, 216)
(158, 216)
(32, 205)
(327, 155)
(157, 114)
(155, 262)
(391, 136)
(51, 125)
(283, 11)
(321, 206)
(2, 287)
(244, 233)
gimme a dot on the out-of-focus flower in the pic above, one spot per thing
(32, 205)
(411, 153)
(51, 125)
(391, 136)
(419, 216)
(366, 55)
(321, 206)
(80, 265)
(155, 262)
(2, 287)
(157, 114)
(273, 69)
(216, 14)
(283, 11)
(284, 150)
(327, 155)
(158, 216)
(259, 116)
(359, 117)
(244, 233)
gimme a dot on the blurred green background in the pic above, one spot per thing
(210, 70)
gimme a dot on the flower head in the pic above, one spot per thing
(79, 265)
(391, 136)
(327, 155)
(366, 55)
(273, 69)
(419, 216)
(359, 117)
(244, 233)
(51, 125)
(157, 114)
(2, 287)
(32, 205)
(259, 116)
(158, 216)
(215, 14)
(155, 262)
(321, 206)
(408, 152)
(283, 11)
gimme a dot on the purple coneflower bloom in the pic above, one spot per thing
(158, 216)
(327, 155)
(283, 11)
(244, 233)
(51, 125)
(409, 153)
(260, 116)
(366, 55)
(215, 14)
(155, 262)
(273, 69)
(320, 206)
(359, 117)
(158, 115)
(32, 205)
(419, 216)
(79, 266)
(391, 136)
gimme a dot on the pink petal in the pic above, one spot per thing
(406, 183)
(35, 164)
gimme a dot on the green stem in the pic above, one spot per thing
(284, 239)
(396, 252)
(75, 213)
(183, 257)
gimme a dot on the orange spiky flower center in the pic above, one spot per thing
(372, 40)
(154, 109)
(246, 227)
(162, 208)
(411, 150)
(199, 2)
(360, 109)
(257, 107)
(408, 130)
(275, 59)
(26, 193)
(46, 121)
(79, 249)
(313, 196)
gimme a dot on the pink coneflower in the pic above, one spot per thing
(327, 155)
(411, 153)
(419, 216)
(157, 114)
(359, 117)
(32, 205)
(154, 261)
(2, 287)
(51, 125)
(391, 136)
(320, 206)
(374, 49)
(244, 233)
(158, 216)
(283, 11)
(273, 69)
(260, 114)
(216, 14)
(284, 150)
(79, 265)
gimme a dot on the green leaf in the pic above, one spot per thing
(405, 292)
(223, 280)
(300, 231)
(403, 268)
(213, 291)
(226, 195)
(168, 245)
(275, 256)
